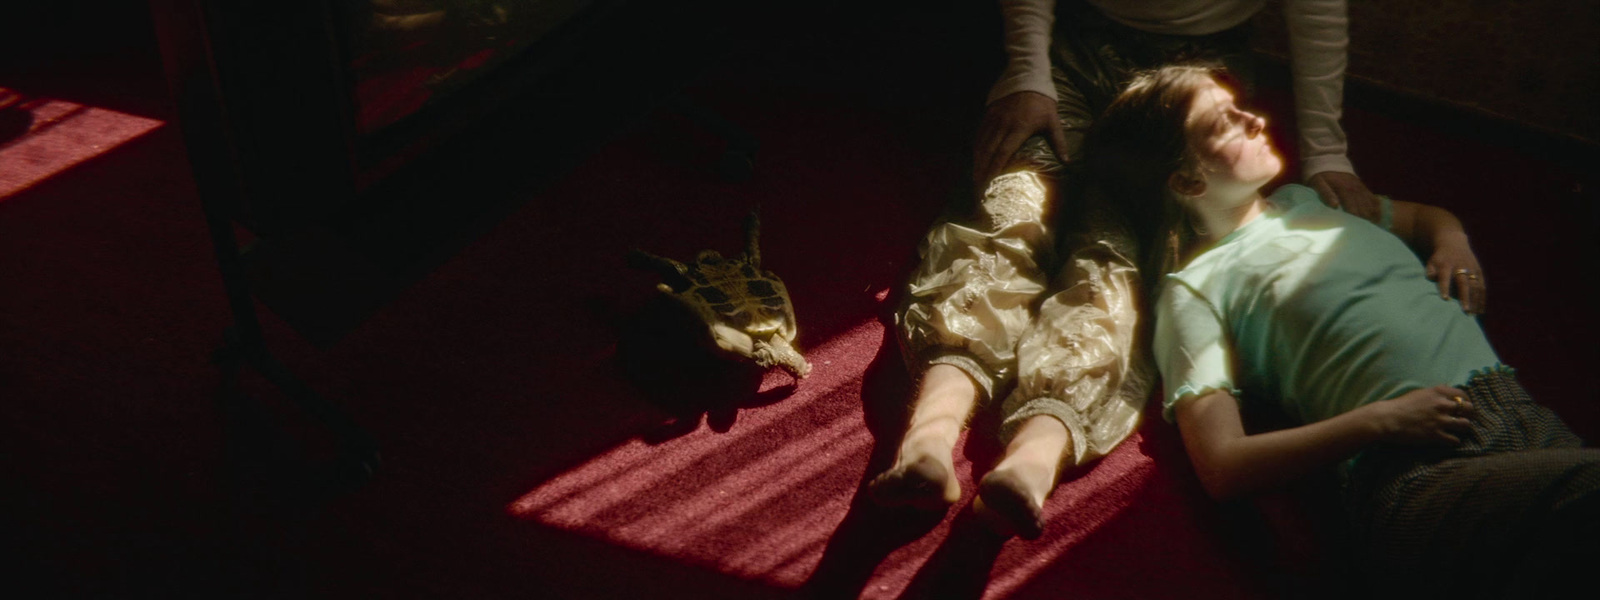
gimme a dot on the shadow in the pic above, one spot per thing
(14, 122)
(412, 221)
(865, 537)
(960, 567)
(869, 532)
(886, 386)
(1299, 535)
(665, 353)
(275, 464)
(983, 448)
(1293, 541)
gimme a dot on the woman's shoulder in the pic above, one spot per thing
(1202, 273)
(1297, 199)
(1294, 195)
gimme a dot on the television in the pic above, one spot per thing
(291, 109)
(295, 113)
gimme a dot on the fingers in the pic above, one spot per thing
(1464, 288)
(983, 152)
(1058, 141)
(1437, 415)
(989, 165)
(996, 154)
(1007, 125)
(1006, 150)
(1469, 289)
(1457, 424)
(1480, 293)
(1324, 191)
(1463, 282)
(1455, 411)
(1346, 192)
(1458, 407)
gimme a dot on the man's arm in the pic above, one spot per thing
(1028, 28)
(1023, 102)
(1231, 463)
(1319, 38)
(1434, 233)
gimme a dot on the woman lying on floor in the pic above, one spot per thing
(1456, 482)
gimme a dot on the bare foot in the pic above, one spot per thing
(923, 475)
(924, 483)
(1007, 506)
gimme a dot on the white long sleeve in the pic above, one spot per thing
(1319, 40)
(1027, 26)
(1318, 45)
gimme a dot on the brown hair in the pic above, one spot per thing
(1135, 147)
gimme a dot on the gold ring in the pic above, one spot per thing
(1472, 277)
(1467, 272)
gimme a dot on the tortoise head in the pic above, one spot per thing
(779, 352)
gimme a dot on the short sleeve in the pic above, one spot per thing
(1191, 347)
(1292, 195)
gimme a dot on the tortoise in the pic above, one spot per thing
(745, 308)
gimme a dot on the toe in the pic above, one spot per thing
(1006, 495)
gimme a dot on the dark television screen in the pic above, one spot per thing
(294, 108)
(294, 111)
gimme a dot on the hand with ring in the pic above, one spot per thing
(1434, 415)
(1455, 269)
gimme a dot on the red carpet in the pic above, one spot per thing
(59, 135)
(520, 463)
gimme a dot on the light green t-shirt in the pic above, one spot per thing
(1314, 309)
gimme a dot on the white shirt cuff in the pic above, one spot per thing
(1322, 164)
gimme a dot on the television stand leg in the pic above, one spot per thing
(357, 449)
(250, 432)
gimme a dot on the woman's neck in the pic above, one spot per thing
(1219, 221)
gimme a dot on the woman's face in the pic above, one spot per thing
(1235, 155)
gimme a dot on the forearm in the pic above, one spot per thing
(1265, 461)
(1437, 228)
(1427, 228)
(1318, 52)
(1231, 463)
(1027, 26)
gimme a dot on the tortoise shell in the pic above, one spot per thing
(746, 309)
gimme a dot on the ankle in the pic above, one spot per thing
(1033, 478)
(932, 437)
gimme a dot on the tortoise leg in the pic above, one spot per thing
(752, 238)
(673, 272)
(733, 340)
